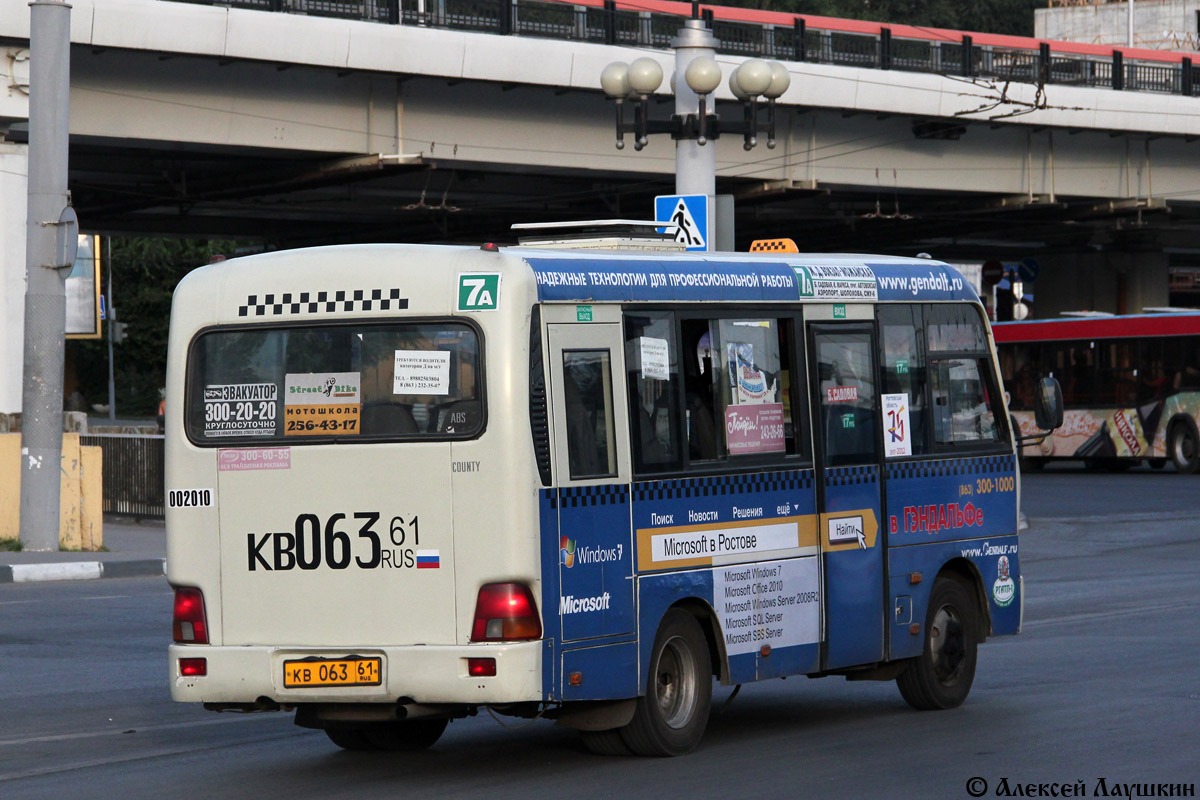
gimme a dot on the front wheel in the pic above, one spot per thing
(670, 719)
(1184, 447)
(942, 675)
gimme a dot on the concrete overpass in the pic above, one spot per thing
(192, 119)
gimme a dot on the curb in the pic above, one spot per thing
(81, 570)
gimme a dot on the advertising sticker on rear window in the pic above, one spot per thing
(240, 409)
(321, 403)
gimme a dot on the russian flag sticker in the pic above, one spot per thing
(428, 559)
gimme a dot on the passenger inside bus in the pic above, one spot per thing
(701, 427)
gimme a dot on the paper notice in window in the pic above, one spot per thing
(897, 435)
(656, 359)
(421, 372)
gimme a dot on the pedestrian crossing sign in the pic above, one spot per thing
(690, 212)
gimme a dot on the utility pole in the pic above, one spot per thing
(52, 232)
(695, 165)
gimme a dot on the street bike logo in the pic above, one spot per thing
(567, 552)
(1004, 589)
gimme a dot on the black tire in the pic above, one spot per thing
(407, 735)
(1184, 447)
(605, 743)
(670, 719)
(1156, 463)
(349, 738)
(941, 676)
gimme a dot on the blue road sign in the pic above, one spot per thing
(690, 213)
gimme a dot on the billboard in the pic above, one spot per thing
(83, 290)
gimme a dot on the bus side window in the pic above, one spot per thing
(847, 398)
(738, 388)
(962, 404)
(652, 362)
(960, 376)
(587, 385)
(902, 342)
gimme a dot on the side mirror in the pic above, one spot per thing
(1048, 405)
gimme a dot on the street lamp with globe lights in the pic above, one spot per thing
(696, 76)
(637, 81)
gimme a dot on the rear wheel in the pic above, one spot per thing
(407, 735)
(670, 719)
(349, 738)
(942, 675)
(1184, 447)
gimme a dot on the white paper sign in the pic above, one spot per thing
(897, 435)
(656, 359)
(774, 602)
(421, 372)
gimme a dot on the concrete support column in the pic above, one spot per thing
(14, 163)
(1100, 280)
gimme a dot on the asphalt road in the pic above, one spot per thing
(1101, 684)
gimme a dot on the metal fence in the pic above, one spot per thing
(133, 473)
(796, 42)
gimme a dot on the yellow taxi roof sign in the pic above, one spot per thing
(774, 246)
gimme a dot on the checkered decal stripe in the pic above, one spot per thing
(275, 305)
(722, 484)
(983, 465)
(851, 476)
(582, 496)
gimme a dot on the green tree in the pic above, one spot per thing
(144, 275)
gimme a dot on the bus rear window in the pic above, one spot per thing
(352, 382)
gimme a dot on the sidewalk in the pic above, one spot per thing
(134, 549)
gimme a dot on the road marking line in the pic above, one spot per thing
(122, 730)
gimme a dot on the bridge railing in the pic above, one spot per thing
(602, 21)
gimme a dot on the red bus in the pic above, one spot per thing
(1131, 387)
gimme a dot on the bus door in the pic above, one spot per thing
(592, 472)
(846, 428)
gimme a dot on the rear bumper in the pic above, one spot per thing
(430, 674)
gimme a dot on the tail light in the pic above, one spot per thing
(190, 625)
(481, 667)
(505, 612)
(193, 667)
